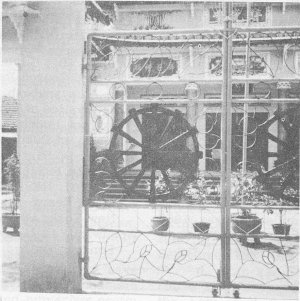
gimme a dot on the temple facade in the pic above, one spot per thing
(189, 66)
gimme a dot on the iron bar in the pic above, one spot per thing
(264, 207)
(159, 233)
(211, 284)
(86, 159)
(143, 204)
(264, 235)
(225, 136)
(90, 277)
(192, 31)
(211, 80)
(202, 100)
(246, 96)
(253, 286)
(193, 235)
(175, 42)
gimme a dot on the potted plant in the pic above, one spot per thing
(11, 219)
(289, 197)
(281, 228)
(247, 191)
(160, 222)
(196, 193)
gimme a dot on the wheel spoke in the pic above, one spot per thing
(130, 153)
(166, 128)
(129, 138)
(155, 117)
(276, 139)
(186, 133)
(139, 124)
(268, 122)
(128, 167)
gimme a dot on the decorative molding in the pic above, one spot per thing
(284, 85)
(258, 67)
(154, 67)
(17, 12)
(260, 14)
(192, 87)
(153, 20)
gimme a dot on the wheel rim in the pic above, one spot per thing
(161, 151)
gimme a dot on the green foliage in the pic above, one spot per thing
(12, 174)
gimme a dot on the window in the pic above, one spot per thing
(153, 67)
(258, 65)
(258, 14)
(101, 52)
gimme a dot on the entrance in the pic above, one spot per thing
(147, 225)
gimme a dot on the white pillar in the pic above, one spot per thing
(51, 149)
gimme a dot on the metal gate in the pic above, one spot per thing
(227, 134)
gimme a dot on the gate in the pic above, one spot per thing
(178, 156)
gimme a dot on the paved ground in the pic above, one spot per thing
(10, 284)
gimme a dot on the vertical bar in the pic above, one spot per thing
(246, 96)
(226, 145)
(228, 149)
(223, 147)
(86, 167)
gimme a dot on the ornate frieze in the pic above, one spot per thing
(153, 20)
(283, 85)
(153, 67)
(257, 65)
(258, 14)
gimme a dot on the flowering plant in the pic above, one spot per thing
(161, 186)
(246, 190)
(196, 190)
(288, 198)
(12, 172)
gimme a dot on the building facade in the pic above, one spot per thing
(189, 66)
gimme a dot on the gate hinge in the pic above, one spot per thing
(83, 259)
(83, 67)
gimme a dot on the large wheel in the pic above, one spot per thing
(165, 154)
(287, 163)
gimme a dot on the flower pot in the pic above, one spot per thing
(10, 221)
(281, 229)
(201, 227)
(250, 224)
(160, 223)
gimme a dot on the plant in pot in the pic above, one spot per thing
(289, 197)
(11, 219)
(196, 193)
(247, 191)
(160, 222)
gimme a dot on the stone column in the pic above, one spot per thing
(51, 139)
(119, 116)
(192, 92)
(283, 92)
